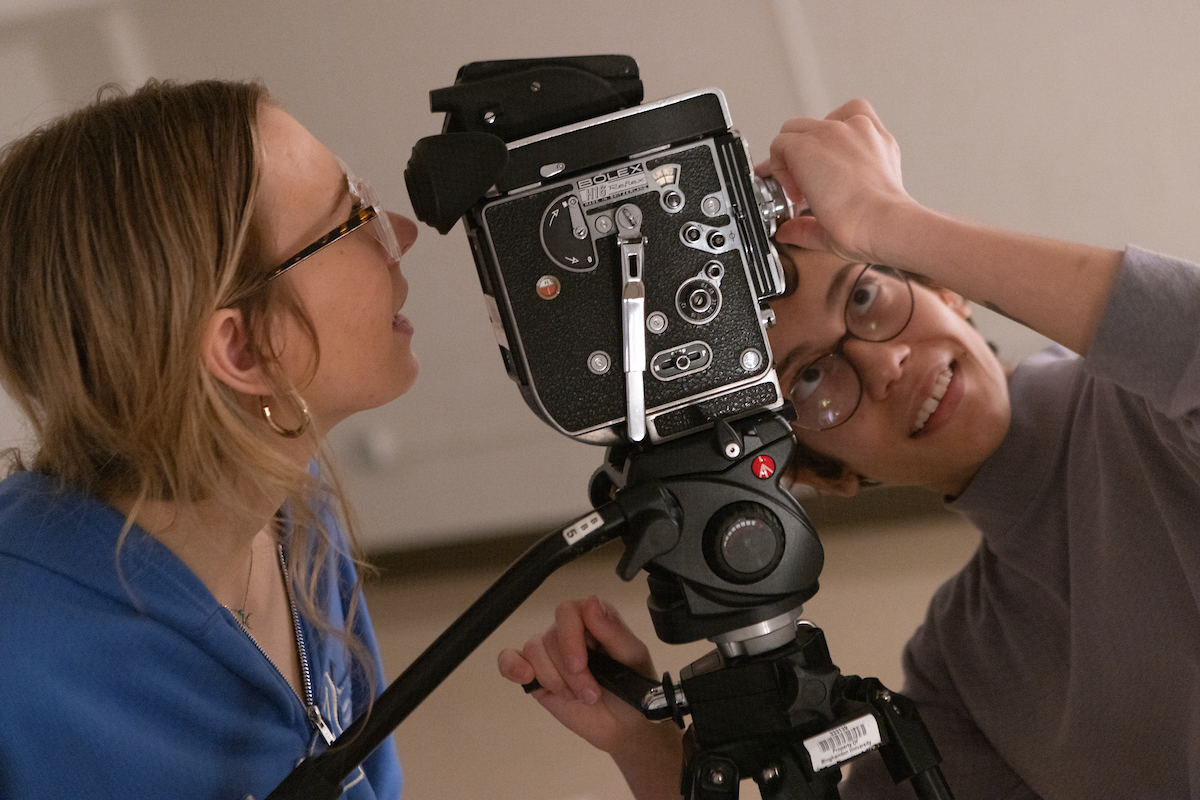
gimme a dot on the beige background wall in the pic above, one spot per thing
(1076, 119)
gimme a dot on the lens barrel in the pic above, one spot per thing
(773, 204)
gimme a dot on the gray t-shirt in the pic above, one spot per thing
(1064, 660)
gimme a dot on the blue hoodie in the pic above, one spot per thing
(137, 683)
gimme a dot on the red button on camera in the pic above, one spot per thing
(763, 467)
(548, 287)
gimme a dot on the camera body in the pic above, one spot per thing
(626, 264)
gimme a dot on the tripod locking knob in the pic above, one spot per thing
(744, 542)
(729, 440)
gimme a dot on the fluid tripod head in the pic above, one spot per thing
(745, 556)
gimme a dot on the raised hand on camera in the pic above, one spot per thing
(649, 754)
(847, 168)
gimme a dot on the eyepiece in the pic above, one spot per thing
(450, 172)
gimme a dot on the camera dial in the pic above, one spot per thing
(698, 300)
(687, 359)
(565, 235)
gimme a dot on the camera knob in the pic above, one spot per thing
(629, 218)
(743, 542)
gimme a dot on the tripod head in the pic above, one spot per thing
(745, 557)
(735, 566)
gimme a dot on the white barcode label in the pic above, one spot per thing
(843, 742)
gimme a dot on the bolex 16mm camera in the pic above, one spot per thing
(622, 247)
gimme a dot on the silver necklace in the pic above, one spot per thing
(242, 613)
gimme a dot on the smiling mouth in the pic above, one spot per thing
(935, 399)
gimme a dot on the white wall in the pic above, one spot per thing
(1077, 120)
(1072, 119)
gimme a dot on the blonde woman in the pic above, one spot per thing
(193, 292)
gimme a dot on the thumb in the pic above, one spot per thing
(804, 232)
(514, 667)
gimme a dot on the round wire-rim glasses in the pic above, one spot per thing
(367, 210)
(826, 392)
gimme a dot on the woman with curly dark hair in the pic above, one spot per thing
(1060, 662)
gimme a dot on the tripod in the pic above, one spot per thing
(731, 557)
(786, 719)
(768, 704)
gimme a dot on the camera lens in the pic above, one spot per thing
(773, 204)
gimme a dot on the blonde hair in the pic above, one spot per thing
(124, 227)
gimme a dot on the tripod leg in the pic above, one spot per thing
(930, 785)
(909, 753)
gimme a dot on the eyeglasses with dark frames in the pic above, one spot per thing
(827, 391)
(367, 210)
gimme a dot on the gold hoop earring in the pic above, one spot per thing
(287, 433)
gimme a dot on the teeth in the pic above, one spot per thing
(930, 405)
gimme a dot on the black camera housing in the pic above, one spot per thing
(545, 242)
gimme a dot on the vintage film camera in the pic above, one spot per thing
(623, 249)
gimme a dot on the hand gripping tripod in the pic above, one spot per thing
(731, 557)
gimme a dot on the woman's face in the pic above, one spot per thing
(892, 437)
(352, 290)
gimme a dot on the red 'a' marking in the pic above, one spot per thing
(763, 467)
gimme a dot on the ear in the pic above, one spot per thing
(954, 301)
(845, 485)
(225, 350)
